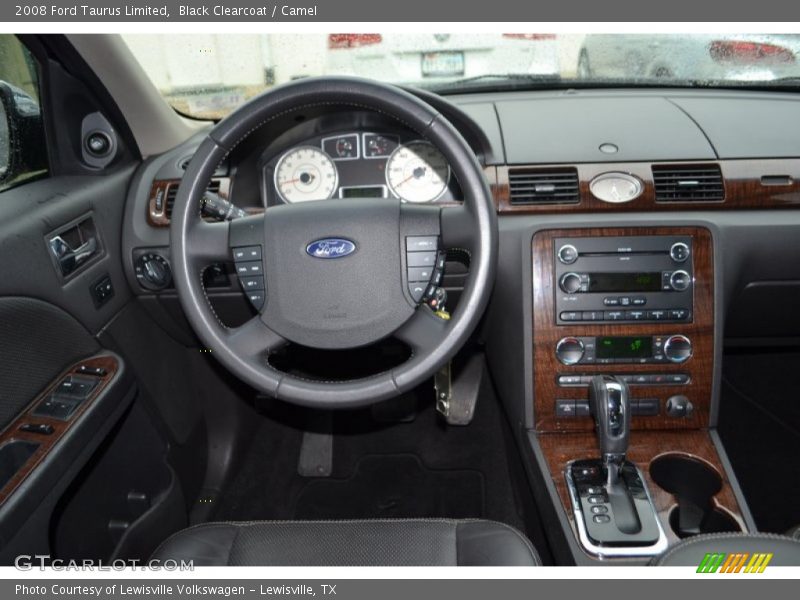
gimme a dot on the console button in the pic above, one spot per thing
(677, 378)
(582, 408)
(648, 407)
(639, 301)
(567, 254)
(601, 519)
(593, 315)
(656, 315)
(565, 408)
(599, 509)
(679, 252)
(635, 315)
(680, 280)
(678, 348)
(615, 315)
(569, 380)
(625, 301)
(573, 315)
(641, 379)
(678, 314)
(611, 301)
(595, 499)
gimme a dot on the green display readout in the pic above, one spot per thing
(624, 347)
(625, 282)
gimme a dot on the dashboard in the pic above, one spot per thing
(357, 164)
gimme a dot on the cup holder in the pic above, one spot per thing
(694, 483)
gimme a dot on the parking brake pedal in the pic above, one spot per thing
(316, 451)
(457, 390)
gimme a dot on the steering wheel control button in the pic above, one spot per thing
(421, 259)
(679, 252)
(421, 243)
(250, 270)
(256, 299)
(417, 291)
(420, 274)
(245, 269)
(246, 253)
(252, 283)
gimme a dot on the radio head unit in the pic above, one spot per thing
(628, 279)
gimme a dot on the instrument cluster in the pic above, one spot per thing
(359, 164)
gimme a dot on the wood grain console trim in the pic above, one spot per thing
(560, 448)
(546, 335)
(48, 442)
(745, 187)
(162, 187)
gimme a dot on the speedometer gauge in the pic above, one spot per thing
(305, 173)
(417, 172)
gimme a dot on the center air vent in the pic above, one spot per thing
(543, 186)
(688, 183)
(172, 192)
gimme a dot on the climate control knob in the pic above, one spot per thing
(678, 348)
(680, 280)
(569, 350)
(570, 282)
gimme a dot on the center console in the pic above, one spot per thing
(623, 321)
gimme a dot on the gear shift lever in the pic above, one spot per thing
(609, 404)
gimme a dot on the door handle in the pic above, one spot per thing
(70, 258)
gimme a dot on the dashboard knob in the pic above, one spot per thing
(570, 282)
(153, 272)
(679, 406)
(679, 252)
(678, 348)
(680, 280)
(569, 350)
(568, 254)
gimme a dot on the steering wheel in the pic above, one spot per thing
(335, 272)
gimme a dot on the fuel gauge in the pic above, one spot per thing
(341, 147)
(379, 146)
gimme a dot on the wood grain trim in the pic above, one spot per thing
(560, 448)
(742, 179)
(546, 334)
(162, 187)
(47, 442)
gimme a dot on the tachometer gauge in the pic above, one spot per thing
(304, 174)
(417, 172)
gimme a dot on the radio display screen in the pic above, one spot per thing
(625, 282)
(625, 347)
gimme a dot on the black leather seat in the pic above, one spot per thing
(785, 550)
(406, 542)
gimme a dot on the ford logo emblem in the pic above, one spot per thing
(330, 248)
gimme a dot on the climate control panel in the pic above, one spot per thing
(614, 350)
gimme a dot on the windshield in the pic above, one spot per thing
(208, 76)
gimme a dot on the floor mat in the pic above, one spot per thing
(393, 486)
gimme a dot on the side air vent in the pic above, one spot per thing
(543, 186)
(688, 183)
(172, 192)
